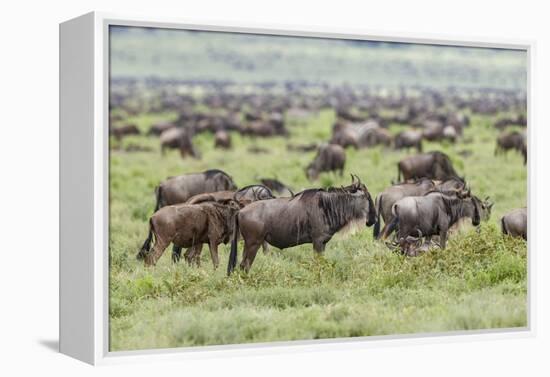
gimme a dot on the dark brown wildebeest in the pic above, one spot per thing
(120, 132)
(430, 215)
(514, 223)
(243, 197)
(222, 139)
(433, 165)
(512, 140)
(311, 216)
(190, 225)
(179, 189)
(158, 128)
(330, 157)
(408, 139)
(178, 138)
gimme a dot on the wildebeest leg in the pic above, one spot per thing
(319, 246)
(159, 247)
(176, 253)
(443, 238)
(214, 254)
(193, 255)
(249, 253)
(265, 247)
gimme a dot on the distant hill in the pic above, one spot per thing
(193, 55)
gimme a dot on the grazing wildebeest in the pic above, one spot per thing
(243, 197)
(330, 157)
(178, 138)
(514, 223)
(179, 189)
(120, 132)
(430, 215)
(512, 140)
(433, 165)
(190, 225)
(311, 216)
(408, 139)
(222, 139)
(387, 198)
(159, 128)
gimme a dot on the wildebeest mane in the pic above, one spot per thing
(211, 173)
(333, 203)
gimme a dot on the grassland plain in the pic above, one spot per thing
(358, 288)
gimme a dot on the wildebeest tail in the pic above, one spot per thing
(376, 229)
(147, 244)
(158, 196)
(234, 242)
(503, 226)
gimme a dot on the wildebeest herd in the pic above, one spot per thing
(417, 211)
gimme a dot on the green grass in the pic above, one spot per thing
(358, 288)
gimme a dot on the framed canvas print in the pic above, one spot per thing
(249, 189)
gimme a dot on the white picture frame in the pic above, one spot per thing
(84, 179)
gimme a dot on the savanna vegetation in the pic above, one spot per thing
(359, 287)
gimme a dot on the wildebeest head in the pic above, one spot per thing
(484, 207)
(362, 200)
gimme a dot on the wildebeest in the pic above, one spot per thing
(387, 198)
(330, 157)
(512, 140)
(178, 138)
(514, 223)
(179, 189)
(243, 197)
(120, 132)
(433, 165)
(311, 216)
(344, 135)
(222, 139)
(408, 139)
(430, 215)
(190, 225)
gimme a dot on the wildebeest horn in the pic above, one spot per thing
(352, 178)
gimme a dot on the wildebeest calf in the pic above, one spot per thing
(189, 225)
